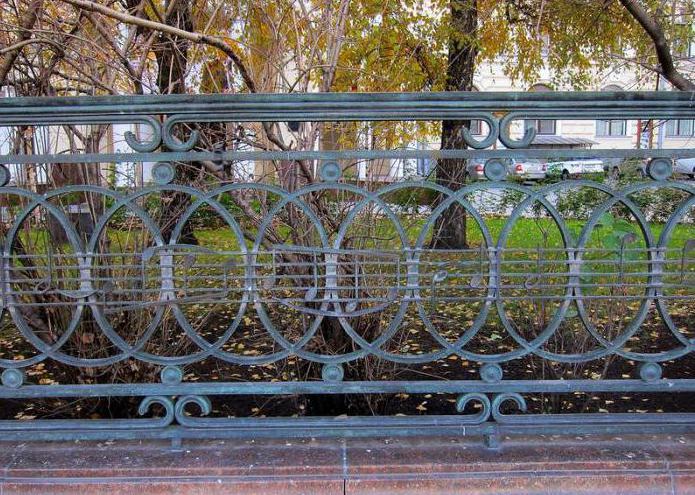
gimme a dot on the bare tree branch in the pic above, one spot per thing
(209, 40)
(205, 39)
(109, 39)
(22, 44)
(661, 46)
(26, 24)
(336, 39)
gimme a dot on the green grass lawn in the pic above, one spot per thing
(527, 233)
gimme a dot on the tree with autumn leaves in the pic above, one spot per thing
(78, 47)
(83, 47)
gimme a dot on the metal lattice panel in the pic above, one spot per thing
(99, 281)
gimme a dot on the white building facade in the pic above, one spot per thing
(601, 133)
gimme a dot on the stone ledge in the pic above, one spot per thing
(525, 465)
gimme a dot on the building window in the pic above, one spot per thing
(545, 45)
(476, 127)
(679, 128)
(542, 126)
(683, 48)
(611, 128)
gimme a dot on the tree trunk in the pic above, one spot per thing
(26, 25)
(450, 228)
(172, 50)
(172, 65)
(651, 26)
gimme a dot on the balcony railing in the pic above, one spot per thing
(194, 288)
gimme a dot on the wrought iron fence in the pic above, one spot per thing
(337, 271)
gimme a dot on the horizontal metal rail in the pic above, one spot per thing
(295, 262)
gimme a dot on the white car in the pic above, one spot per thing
(523, 168)
(685, 166)
(573, 168)
(527, 168)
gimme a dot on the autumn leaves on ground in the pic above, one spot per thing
(452, 290)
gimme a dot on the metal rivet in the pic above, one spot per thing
(660, 169)
(491, 373)
(650, 372)
(171, 375)
(12, 378)
(495, 170)
(330, 172)
(332, 373)
(163, 173)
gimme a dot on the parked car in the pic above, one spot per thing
(522, 168)
(617, 167)
(574, 168)
(684, 166)
(620, 167)
(474, 169)
(527, 168)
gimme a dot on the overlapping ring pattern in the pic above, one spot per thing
(412, 252)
